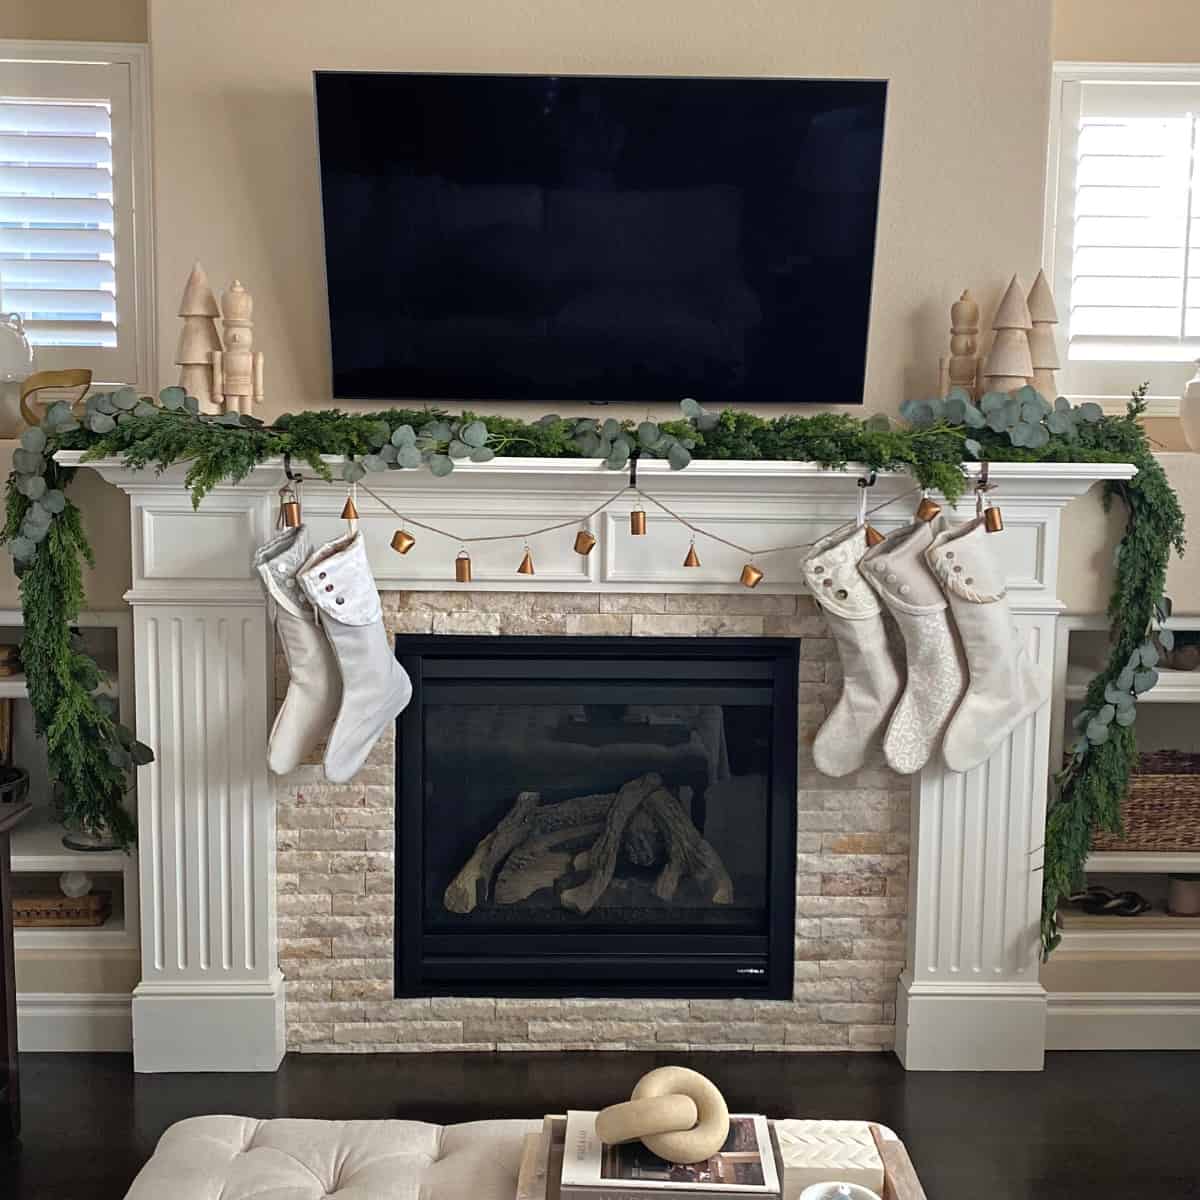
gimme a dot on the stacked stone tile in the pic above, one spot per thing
(336, 871)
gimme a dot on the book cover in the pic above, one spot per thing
(744, 1167)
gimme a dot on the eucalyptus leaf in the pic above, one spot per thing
(33, 486)
(482, 454)
(1038, 437)
(33, 440)
(404, 435)
(589, 445)
(678, 457)
(102, 402)
(1081, 719)
(1148, 653)
(438, 431)
(1143, 681)
(992, 402)
(1166, 639)
(972, 447)
(691, 408)
(475, 434)
(711, 420)
(54, 501)
(22, 548)
(231, 419)
(1090, 412)
(172, 398)
(973, 418)
(648, 433)
(1062, 405)
(353, 471)
(120, 757)
(1114, 695)
(374, 462)
(620, 455)
(459, 450)
(409, 456)
(997, 420)
(35, 533)
(1097, 733)
(388, 453)
(955, 409)
(141, 754)
(126, 399)
(440, 465)
(1059, 422)
(189, 402)
(1106, 714)
(26, 462)
(1127, 715)
(146, 409)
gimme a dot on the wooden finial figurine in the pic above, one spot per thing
(198, 338)
(1042, 347)
(964, 343)
(237, 370)
(1008, 365)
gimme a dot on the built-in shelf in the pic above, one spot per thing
(15, 687)
(1150, 932)
(1173, 687)
(37, 846)
(1136, 862)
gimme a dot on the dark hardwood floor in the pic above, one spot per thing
(1091, 1127)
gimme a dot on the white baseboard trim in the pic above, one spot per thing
(74, 1021)
(1123, 1021)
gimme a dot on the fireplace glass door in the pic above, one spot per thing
(596, 816)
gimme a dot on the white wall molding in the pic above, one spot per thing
(74, 1021)
(1123, 1021)
(210, 997)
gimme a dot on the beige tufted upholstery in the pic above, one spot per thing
(236, 1158)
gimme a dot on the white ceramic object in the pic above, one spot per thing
(838, 1191)
(812, 1153)
(74, 884)
(1189, 410)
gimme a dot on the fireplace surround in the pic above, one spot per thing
(520, 759)
(935, 878)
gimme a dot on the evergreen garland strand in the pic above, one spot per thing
(92, 755)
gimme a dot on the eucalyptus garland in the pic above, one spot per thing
(92, 755)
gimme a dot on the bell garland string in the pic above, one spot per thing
(92, 756)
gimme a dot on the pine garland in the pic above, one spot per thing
(92, 755)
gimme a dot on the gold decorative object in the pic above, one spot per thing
(75, 377)
(751, 576)
(526, 567)
(349, 510)
(693, 559)
(403, 541)
(637, 522)
(927, 509)
(462, 567)
(993, 522)
(585, 542)
(874, 537)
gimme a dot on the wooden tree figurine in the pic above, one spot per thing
(1042, 347)
(198, 338)
(964, 343)
(1008, 365)
(237, 370)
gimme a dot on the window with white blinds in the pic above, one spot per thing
(1124, 229)
(69, 245)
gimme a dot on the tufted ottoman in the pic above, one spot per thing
(235, 1158)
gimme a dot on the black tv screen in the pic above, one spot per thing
(595, 239)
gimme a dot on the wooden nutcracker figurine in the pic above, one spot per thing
(238, 369)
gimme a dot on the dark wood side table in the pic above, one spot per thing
(10, 1091)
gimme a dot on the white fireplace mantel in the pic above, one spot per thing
(211, 996)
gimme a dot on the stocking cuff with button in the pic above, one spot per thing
(1006, 685)
(314, 689)
(375, 687)
(871, 677)
(897, 570)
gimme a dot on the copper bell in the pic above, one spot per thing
(289, 510)
(462, 567)
(927, 509)
(993, 522)
(403, 541)
(526, 567)
(751, 576)
(584, 542)
(693, 559)
(349, 510)
(874, 537)
(637, 522)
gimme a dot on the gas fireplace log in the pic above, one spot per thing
(463, 893)
(602, 859)
(687, 850)
(540, 861)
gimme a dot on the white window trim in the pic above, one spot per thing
(1064, 99)
(135, 57)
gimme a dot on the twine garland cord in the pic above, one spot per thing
(574, 522)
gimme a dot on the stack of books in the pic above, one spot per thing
(567, 1161)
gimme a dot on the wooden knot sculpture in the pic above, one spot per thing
(677, 1113)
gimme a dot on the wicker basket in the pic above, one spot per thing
(62, 912)
(1161, 811)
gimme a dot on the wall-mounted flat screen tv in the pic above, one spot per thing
(566, 239)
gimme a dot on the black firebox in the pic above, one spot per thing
(596, 817)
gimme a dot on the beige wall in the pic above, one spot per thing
(1143, 31)
(236, 164)
(74, 20)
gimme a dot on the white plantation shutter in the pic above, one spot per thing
(1126, 235)
(68, 252)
